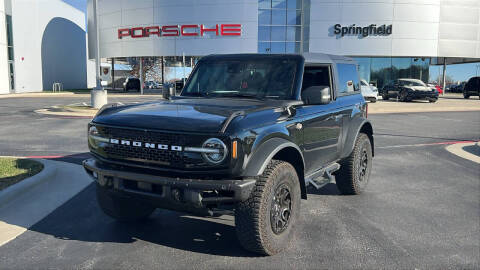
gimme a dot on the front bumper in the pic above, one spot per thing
(422, 95)
(183, 194)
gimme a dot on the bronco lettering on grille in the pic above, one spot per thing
(147, 145)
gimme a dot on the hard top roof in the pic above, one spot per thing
(310, 58)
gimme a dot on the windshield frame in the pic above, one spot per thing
(295, 84)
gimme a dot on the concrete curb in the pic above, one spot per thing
(11, 192)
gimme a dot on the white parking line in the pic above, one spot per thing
(457, 149)
(423, 144)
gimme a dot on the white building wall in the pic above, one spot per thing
(443, 28)
(115, 14)
(30, 19)
(4, 81)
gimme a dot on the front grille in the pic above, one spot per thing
(160, 157)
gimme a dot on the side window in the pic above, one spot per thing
(347, 78)
(316, 76)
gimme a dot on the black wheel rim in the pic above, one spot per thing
(281, 209)
(363, 166)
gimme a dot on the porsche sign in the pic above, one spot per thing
(180, 30)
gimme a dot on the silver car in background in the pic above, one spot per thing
(369, 92)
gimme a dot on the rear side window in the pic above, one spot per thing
(347, 78)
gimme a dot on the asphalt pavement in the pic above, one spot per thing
(421, 209)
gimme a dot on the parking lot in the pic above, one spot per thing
(421, 209)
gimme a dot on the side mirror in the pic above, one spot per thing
(316, 95)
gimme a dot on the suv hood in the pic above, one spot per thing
(205, 115)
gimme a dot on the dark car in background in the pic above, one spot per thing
(131, 84)
(408, 90)
(472, 88)
(458, 88)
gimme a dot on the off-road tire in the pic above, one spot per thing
(253, 216)
(348, 178)
(121, 208)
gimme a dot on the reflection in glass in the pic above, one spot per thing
(264, 33)
(264, 4)
(294, 4)
(292, 47)
(294, 33)
(421, 68)
(294, 17)
(279, 16)
(364, 68)
(278, 47)
(279, 3)
(278, 33)
(264, 47)
(401, 68)
(381, 71)
(264, 16)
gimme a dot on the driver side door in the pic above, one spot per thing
(322, 124)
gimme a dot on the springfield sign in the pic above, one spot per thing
(364, 31)
(180, 30)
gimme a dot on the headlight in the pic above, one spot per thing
(93, 134)
(92, 131)
(219, 151)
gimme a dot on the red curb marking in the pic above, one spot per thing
(45, 156)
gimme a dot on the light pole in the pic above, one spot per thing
(98, 94)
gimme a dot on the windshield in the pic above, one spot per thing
(243, 78)
(411, 83)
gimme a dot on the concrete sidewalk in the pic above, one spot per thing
(35, 203)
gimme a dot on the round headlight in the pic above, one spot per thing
(218, 151)
(93, 131)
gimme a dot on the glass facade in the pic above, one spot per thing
(11, 65)
(280, 25)
(380, 70)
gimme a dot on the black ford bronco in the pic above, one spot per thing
(246, 136)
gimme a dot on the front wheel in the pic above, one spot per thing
(385, 96)
(120, 208)
(354, 173)
(265, 222)
(403, 96)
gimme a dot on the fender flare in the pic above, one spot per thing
(260, 158)
(352, 133)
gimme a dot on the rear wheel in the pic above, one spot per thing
(465, 95)
(265, 222)
(120, 208)
(432, 100)
(385, 96)
(354, 173)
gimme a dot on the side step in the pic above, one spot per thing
(323, 176)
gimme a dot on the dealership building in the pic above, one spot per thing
(42, 42)
(389, 38)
